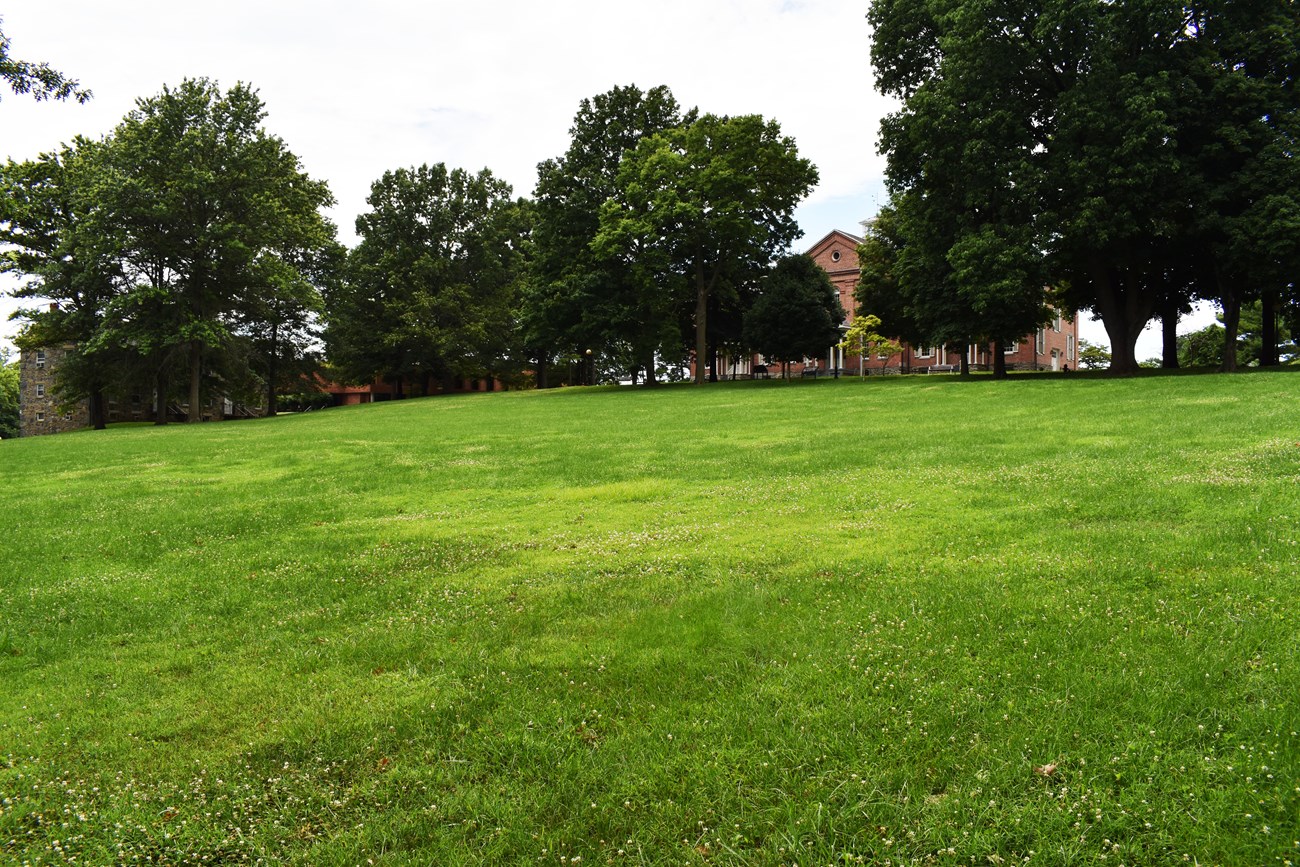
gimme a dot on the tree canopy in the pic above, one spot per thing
(170, 241)
(710, 203)
(1131, 154)
(429, 293)
(797, 314)
(577, 297)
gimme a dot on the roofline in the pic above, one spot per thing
(833, 232)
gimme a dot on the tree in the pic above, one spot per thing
(8, 396)
(215, 215)
(160, 241)
(864, 338)
(430, 290)
(797, 314)
(52, 216)
(38, 79)
(1093, 356)
(577, 298)
(1135, 154)
(711, 202)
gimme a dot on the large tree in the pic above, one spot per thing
(215, 214)
(713, 202)
(37, 79)
(430, 290)
(1118, 150)
(578, 298)
(161, 241)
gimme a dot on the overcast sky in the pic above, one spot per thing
(358, 89)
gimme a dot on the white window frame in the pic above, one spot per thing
(40, 389)
(925, 352)
(40, 359)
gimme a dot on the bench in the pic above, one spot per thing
(942, 368)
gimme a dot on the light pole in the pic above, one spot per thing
(591, 368)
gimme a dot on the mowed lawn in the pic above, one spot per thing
(913, 620)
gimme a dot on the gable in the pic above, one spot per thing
(837, 252)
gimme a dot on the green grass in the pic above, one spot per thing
(1051, 620)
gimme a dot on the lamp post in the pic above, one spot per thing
(590, 368)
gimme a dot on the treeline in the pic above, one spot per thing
(187, 250)
(1136, 156)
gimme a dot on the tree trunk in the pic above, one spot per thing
(541, 376)
(1124, 312)
(965, 363)
(196, 379)
(272, 374)
(701, 322)
(999, 361)
(98, 417)
(1169, 331)
(160, 397)
(1231, 302)
(1268, 354)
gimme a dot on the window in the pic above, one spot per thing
(40, 416)
(835, 255)
(1069, 347)
(40, 359)
(925, 352)
(1040, 342)
(1057, 325)
(1011, 348)
(40, 389)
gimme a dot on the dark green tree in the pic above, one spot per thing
(711, 202)
(37, 79)
(577, 298)
(431, 290)
(797, 314)
(214, 215)
(1141, 150)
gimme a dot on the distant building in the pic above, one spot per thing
(40, 411)
(1054, 347)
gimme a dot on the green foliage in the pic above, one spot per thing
(431, 287)
(864, 339)
(797, 314)
(1202, 348)
(1135, 154)
(1093, 356)
(577, 298)
(172, 247)
(37, 79)
(8, 396)
(438, 632)
(712, 203)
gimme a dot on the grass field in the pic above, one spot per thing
(916, 620)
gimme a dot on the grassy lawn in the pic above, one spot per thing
(916, 620)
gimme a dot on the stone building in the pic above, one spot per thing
(39, 410)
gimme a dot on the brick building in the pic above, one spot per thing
(1054, 347)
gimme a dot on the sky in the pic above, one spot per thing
(355, 89)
